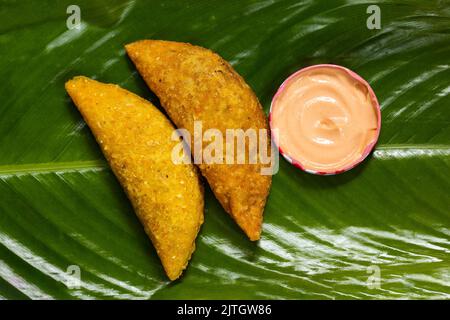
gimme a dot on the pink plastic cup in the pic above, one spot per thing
(375, 104)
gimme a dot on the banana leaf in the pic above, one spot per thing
(381, 230)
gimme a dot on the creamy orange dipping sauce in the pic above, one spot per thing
(326, 119)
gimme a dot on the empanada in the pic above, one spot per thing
(135, 138)
(195, 84)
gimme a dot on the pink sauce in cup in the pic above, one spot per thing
(325, 119)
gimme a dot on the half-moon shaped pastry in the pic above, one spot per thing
(135, 138)
(195, 84)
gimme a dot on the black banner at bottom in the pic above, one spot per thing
(223, 309)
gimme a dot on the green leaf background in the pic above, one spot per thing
(60, 205)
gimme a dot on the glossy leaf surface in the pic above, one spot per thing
(323, 237)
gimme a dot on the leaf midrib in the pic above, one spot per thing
(30, 168)
(47, 167)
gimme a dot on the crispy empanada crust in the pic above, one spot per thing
(195, 84)
(135, 138)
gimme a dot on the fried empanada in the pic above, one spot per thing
(135, 138)
(195, 84)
